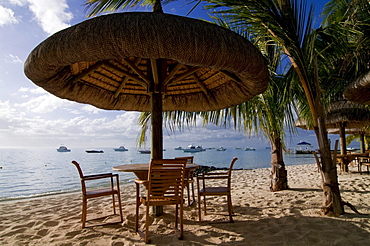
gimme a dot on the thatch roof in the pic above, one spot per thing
(352, 131)
(108, 61)
(359, 90)
(342, 113)
(351, 114)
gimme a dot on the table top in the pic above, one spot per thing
(354, 155)
(144, 167)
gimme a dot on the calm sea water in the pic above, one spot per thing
(27, 173)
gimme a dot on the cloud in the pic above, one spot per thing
(52, 15)
(7, 16)
(12, 58)
(44, 104)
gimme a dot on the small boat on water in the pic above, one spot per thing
(63, 148)
(192, 148)
(94, 151)
(179, 148)
(303, 148)
(249, 149)
(147, 151)
(221, 149)
(121, 148)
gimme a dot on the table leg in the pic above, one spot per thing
(158, 210)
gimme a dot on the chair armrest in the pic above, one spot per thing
(215, 177)
(99, 176)
(140, 181)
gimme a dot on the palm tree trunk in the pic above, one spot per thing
(278, 175)
(332, 202)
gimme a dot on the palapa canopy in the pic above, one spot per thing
(359, 90)
(110, 62)
(151, 62)
(341, 115)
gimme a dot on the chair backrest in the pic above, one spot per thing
(83, 185)
(78, 168)
(166, 178)
(231, 166)
(190, 159)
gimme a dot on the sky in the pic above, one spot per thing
(32, 117)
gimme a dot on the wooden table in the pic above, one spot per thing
(141, 172)
(345, 160)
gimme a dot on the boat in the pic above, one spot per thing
(179, 148)
(63, 148)
(121, 148)
(249, 149)
(303, 148)
(193, 148)
(221, 149)
(94, 151)
(145, 151)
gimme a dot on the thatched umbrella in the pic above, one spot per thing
(362, 132)
(341, 115)
(359, 90)
(150, 62)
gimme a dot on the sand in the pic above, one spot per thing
(290, 217)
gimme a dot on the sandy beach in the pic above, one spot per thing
(290, 217)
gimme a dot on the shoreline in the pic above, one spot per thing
(288, 217)
(46, 195)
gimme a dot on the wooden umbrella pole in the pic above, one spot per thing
(158, 69)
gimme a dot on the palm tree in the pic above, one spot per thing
(287, 22)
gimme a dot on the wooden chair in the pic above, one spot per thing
(87, 194)
(165, 186)
(189, 179)
(204, 190)
(363, 161)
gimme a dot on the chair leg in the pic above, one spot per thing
(176, 215)
(147, 225)
(114, 204)
(205, 206)
(137, 208)
(181, 237)
(120, 205)
(188, 187)
(199, 208)
(84, 212)
(192, 189)
(230, 208)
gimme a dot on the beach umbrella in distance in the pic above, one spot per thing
(149, 62)
(362, 132)
(359, 90)
(341, 115)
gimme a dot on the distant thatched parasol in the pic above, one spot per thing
(150, 62)
(359, 90)
(341, 115)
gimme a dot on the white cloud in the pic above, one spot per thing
(7, 16)
(52, 15)
(44, 104)
(91, 109)
(38, 90)
(12, 59)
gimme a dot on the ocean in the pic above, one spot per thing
(37, 172)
